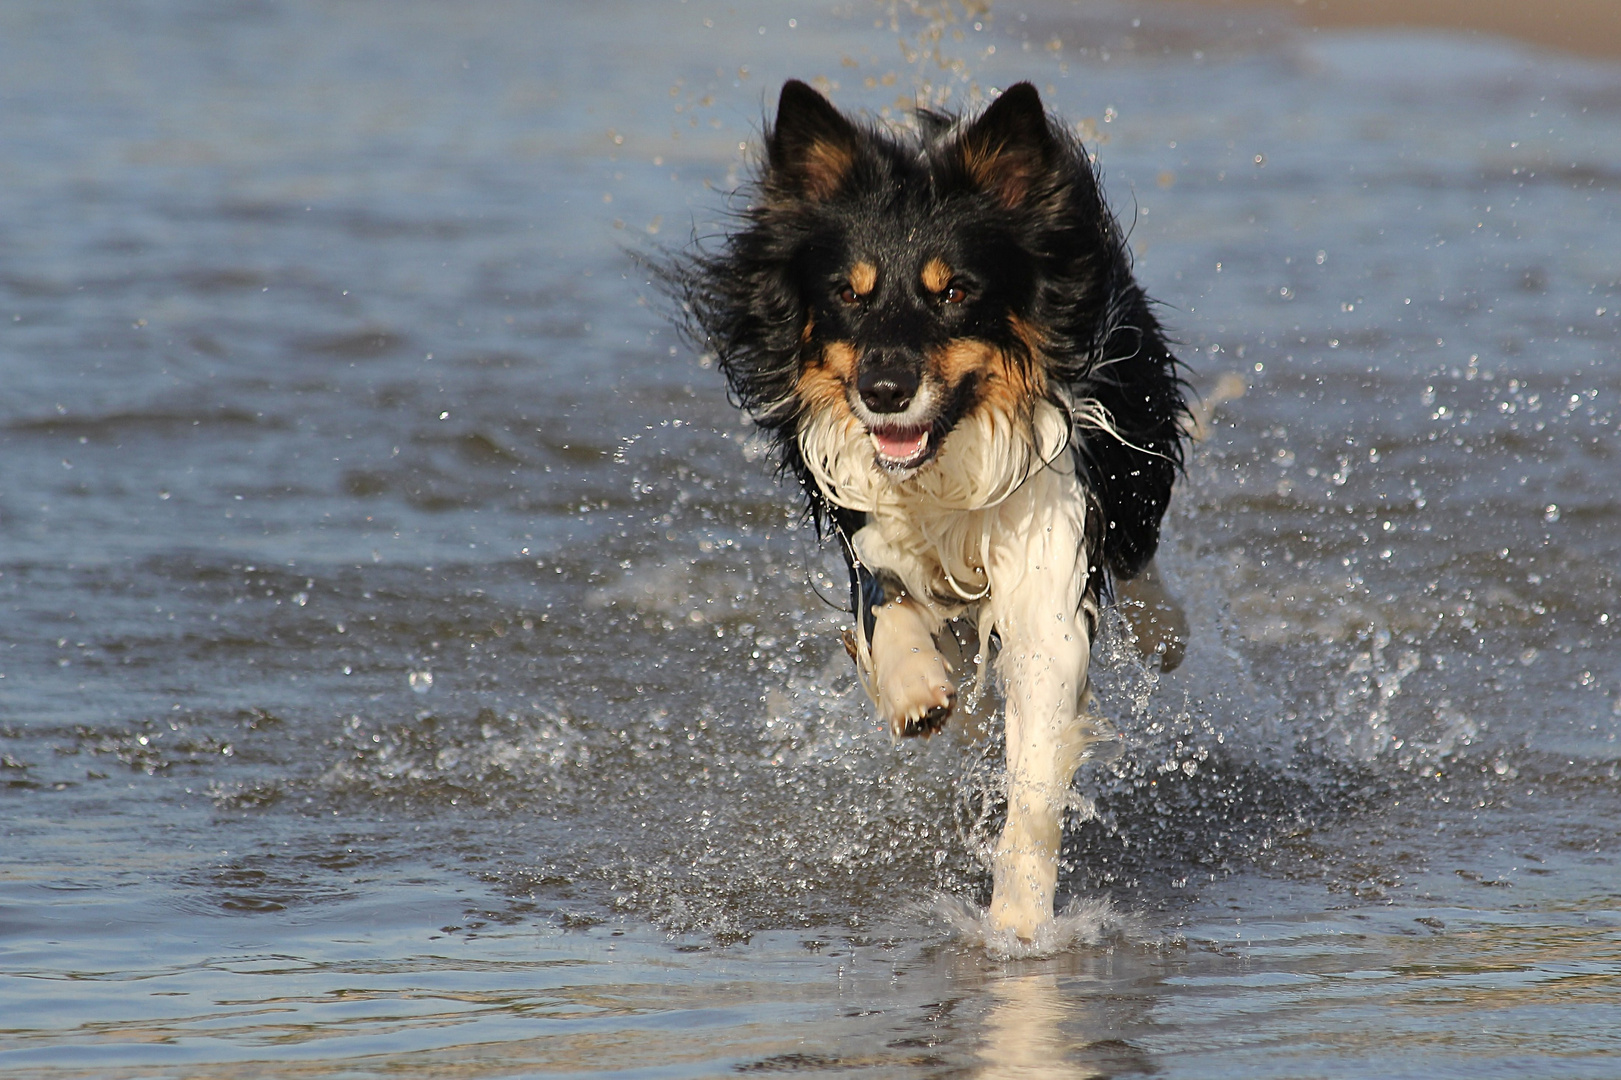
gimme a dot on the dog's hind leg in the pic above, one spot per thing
(1156, 617)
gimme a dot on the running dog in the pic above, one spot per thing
(939, 332)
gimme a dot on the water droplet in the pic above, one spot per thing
(421, 681)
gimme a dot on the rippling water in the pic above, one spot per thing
(409, 667)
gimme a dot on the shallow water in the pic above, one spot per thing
(409, 667)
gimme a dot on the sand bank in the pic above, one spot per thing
(1589, 27)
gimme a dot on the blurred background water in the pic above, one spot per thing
(408, 667)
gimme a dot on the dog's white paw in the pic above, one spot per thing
(916, 693)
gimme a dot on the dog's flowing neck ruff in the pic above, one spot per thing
(994, 477)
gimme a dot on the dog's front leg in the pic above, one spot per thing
(1046, 647)
(901, 667)
(912, 685)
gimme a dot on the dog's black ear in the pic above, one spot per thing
(1009, 151)
(811, 148)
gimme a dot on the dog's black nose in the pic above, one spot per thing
(887, 388)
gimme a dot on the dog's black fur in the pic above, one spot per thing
(1016, 205)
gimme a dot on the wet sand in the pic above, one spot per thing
(1588, 27)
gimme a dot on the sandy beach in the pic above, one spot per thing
(1588, 27)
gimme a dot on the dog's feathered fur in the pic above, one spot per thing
(941, 336)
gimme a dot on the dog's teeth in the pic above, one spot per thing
(900, 447)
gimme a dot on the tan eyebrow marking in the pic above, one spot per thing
(936, 276)
(863, 278)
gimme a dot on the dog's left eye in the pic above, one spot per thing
(954, 294)
(847, 295)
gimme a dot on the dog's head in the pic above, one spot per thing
(911, 265)
(884, 286)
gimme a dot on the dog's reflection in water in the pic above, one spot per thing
(1039, 1029)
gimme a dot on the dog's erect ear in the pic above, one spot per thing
(1009, 149)
(811, 147)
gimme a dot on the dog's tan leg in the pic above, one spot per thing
(911, 681)
(1156, 617)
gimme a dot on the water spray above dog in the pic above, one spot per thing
(940, 334)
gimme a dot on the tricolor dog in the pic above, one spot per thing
(939, 332)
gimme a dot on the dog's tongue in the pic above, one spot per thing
(901, 445)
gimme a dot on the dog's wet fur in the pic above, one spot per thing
(940, 334)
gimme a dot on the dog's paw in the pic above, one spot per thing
(930, 722)
(1172, 653)
(916, 697)
(1162, 630)
(1156, 618)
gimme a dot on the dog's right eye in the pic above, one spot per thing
(847, 295)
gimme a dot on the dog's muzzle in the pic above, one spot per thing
(888, 384)
(897, 409)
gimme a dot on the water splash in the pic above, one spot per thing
(1363, 700)
(1084, 922)
(930, 35)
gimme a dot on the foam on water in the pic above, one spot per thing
(1084, 922)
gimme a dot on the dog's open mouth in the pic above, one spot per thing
(899, 449)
